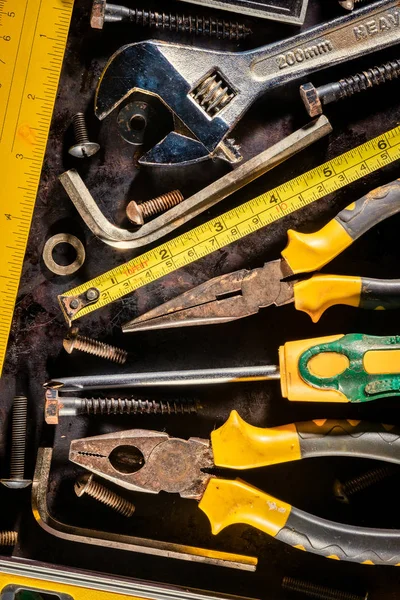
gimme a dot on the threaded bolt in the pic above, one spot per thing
(314, 98)
(67, 406)
(318, 592)
(74, 341)
(349, 4)
(18, 445)
(8, 538)
(139, 213)
(94, 489)
(344, 491)
(104, 12)
(82, 148)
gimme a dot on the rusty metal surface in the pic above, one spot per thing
(35, 351)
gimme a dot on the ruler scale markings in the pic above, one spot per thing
(236, 223)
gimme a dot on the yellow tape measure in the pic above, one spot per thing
(232, 226)
(33, 36)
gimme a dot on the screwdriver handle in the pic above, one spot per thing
(307, 252)
(341, 368)
(239, 445)
(227, 502)
(315, 295)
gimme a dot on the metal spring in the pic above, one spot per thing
(370, 78)
(80, 129)
(318, 592)
(161, 203)
(87, 485)
(85, 344)
(204, 26)
(18, 437)
(120, 406)
(8, 538)
(213, 94)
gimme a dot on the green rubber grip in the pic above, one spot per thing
(355, 382)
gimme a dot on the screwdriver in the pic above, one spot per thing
(338, 368)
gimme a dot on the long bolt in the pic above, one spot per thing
(66, 406)
(8, 538)
(82, 148)
(104, 12)
(74, 341)
(319, 592)
(139, 213)
(314, 98)
(94, 489)
(344, 491)
(18, 445)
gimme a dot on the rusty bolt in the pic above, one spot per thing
(310, 97)
(74, 341)
(139, 213)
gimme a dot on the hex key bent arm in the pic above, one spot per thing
(196, 204)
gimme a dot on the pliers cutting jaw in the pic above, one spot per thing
(221, 299)
(147, 461)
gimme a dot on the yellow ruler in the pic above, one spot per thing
(33, 36)
(232, 226)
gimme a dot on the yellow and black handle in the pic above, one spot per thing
(306, 253)
(238, 445)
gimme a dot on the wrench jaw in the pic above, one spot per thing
(147, 461)
(205, 106)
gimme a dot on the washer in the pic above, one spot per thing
(63, 238)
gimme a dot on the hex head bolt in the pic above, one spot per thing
(139, 213)
(18, 445)
(94, 489)
(104, 12)
(343, 491)
(314, 98)
(74, 341)
(82, 148)
(8, 538)
(318, 592)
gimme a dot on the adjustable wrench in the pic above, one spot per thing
(208, 91)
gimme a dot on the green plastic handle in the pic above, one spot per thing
(355, 382)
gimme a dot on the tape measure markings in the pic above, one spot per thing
(241, 221)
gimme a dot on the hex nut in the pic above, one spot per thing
(309, 95)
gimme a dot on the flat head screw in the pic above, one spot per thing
(83, 148)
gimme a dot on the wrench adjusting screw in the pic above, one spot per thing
(74, 341)
(18, 445)
(104, 12)
(344, 490)
(139, 213)
(318, 592)
(87, 485)
(8, 538)
(83, 148)
(314, 98)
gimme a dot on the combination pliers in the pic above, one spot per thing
(152, 461)
(243, 293)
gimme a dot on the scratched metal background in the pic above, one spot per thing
(35, 351)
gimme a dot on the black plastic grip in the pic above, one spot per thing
(383, 293)
(339, 541)
(349, 438)
(376, 206)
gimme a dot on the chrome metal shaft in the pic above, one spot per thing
(166, 378)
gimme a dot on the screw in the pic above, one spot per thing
(314, 98)
(8, 538)
(74, 341)
(138, 213)
(67, 406)
(319, 592)
(83, 148)
(87, 485)
(349, 4)
(343, 491)
(18, 445)
(104, 12)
